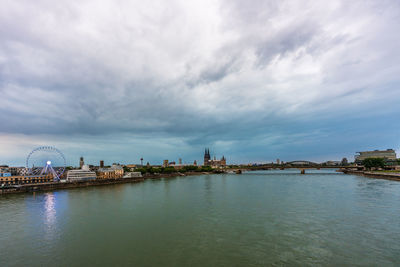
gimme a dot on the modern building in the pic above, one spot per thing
(83, 174)
(213, 162)
(388, 155)
(114, 172)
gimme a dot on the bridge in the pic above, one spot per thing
(301, 162)
(302, 165)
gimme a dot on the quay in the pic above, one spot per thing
(50, 186)
(372, 174)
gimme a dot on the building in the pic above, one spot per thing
(165, 163)
(132, 175)
(388, 155)
(213, 162)
(101, 163)
(130, 167)
(81, 162)
(207, 157)
(19, 180)
(14, 171)
(17, 171)
(83, 174)
(114, 172)
(332, 163)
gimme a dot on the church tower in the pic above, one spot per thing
(223, 161)
(207, 157)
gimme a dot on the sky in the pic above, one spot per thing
(252, 80)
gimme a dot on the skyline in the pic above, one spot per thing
(121, 81)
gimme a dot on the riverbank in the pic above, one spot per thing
(376, 175)
(28, 188)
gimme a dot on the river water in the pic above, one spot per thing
(254, 219)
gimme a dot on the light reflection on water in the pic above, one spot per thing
(49, 210)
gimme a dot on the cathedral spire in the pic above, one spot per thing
(207, 157)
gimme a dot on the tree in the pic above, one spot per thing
(206, 168)
(189, 168)
(141, 170)
(373, 163)
(126, 169)
(168, 170)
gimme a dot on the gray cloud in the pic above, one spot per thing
(214, 72)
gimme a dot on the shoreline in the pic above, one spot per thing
(53, 186)
(30, 188)
(376, 175)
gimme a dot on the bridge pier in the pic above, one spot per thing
(303, 171)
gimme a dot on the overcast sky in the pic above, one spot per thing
(251, 80)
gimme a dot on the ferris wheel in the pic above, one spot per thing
(46, 160)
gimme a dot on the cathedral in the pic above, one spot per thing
(213, 162)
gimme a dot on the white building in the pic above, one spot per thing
(388, 154)
(333, 162)
(132, 175)
(83, 174)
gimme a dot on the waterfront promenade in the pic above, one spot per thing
(26, 188)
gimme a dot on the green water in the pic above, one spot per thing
(253, 219)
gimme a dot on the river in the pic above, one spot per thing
(254, 219)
